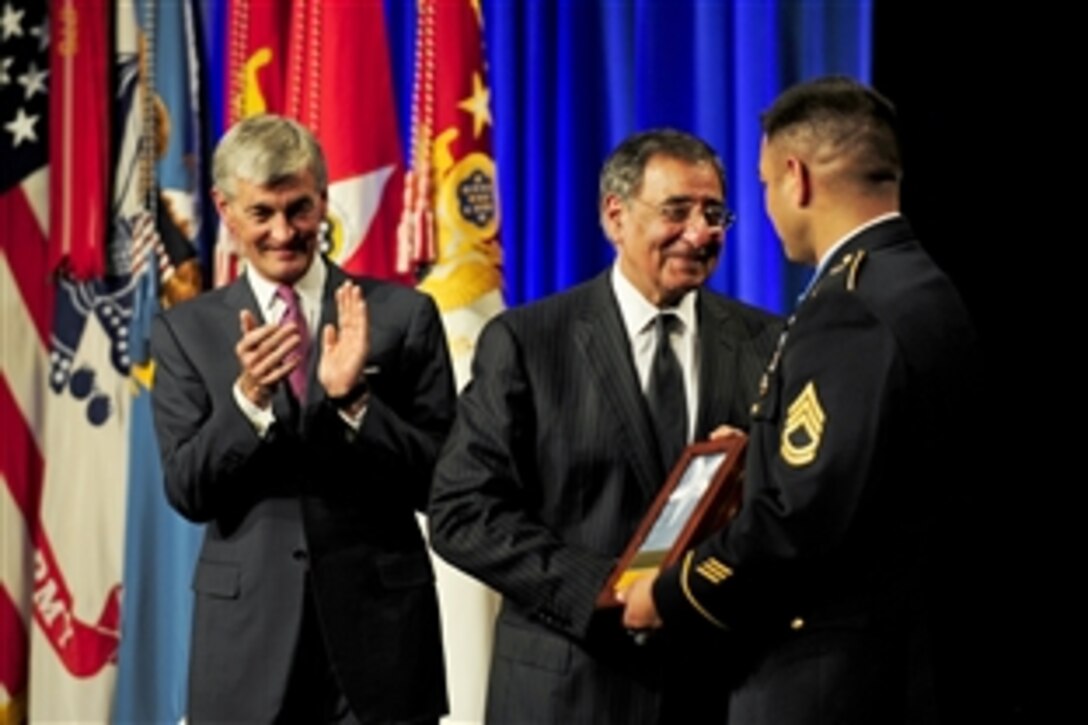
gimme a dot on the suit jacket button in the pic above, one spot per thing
(300, 555)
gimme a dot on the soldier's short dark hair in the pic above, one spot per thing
(840, 116)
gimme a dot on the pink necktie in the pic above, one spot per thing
(298, 377)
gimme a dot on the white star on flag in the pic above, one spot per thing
(33, 81)
(12, 21)
(22, 128)
(41, 32)
(5, 63)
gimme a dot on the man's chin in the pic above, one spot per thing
(691, 274)
(680, 286)
(286, 270)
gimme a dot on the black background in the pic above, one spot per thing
(969, 94)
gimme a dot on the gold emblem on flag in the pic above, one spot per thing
(804, 428)
(467, 197)
(469, 261)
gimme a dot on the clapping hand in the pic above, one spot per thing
(267, 354)
(344, 347)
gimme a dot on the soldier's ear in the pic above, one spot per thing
(798, 181)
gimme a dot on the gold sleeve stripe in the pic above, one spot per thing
(685, 572)
(714, 571)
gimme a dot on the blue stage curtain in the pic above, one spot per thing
(570, 78)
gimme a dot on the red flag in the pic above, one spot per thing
(340, 87)
(79, 150)
(327, 65)
(452, 132)
(60, 403)
(257, 35)
(257, 61)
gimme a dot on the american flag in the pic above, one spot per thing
(25, 314)
(63, 402)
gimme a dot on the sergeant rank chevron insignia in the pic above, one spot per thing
(804, 428)
(713, 570)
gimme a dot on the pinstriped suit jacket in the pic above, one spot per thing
(551, 464)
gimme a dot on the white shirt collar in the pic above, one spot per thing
(637, 311)
(309, 288)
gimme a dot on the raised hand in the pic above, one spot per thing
(267, 354)
(344, 350)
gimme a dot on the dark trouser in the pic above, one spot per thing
(313, 692)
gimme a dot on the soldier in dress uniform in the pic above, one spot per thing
(820, 578)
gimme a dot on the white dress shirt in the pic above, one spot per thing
(638, 316)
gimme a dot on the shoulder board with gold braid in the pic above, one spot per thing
(850, 266)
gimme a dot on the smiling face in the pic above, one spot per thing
(275, 227)
(665, 254)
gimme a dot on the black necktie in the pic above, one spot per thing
(665, 393)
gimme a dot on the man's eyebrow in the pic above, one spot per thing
(687, 199)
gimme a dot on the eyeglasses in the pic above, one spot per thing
(715, 214)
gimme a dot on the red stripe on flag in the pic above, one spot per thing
(21, 472)
(26, 249)
(20, 460)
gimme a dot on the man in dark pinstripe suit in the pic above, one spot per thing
(555, 455)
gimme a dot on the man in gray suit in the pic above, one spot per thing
(299, 412)
(578, 406)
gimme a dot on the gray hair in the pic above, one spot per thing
(266, 150)
(623, 170)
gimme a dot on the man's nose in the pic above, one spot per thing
(697, 231)
(281, 230)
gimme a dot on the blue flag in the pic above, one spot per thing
(160, 224)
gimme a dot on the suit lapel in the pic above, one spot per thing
(600, 334)
(718, 365)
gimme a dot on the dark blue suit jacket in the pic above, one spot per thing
(312, 496)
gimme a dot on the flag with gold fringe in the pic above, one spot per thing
(451, 231)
